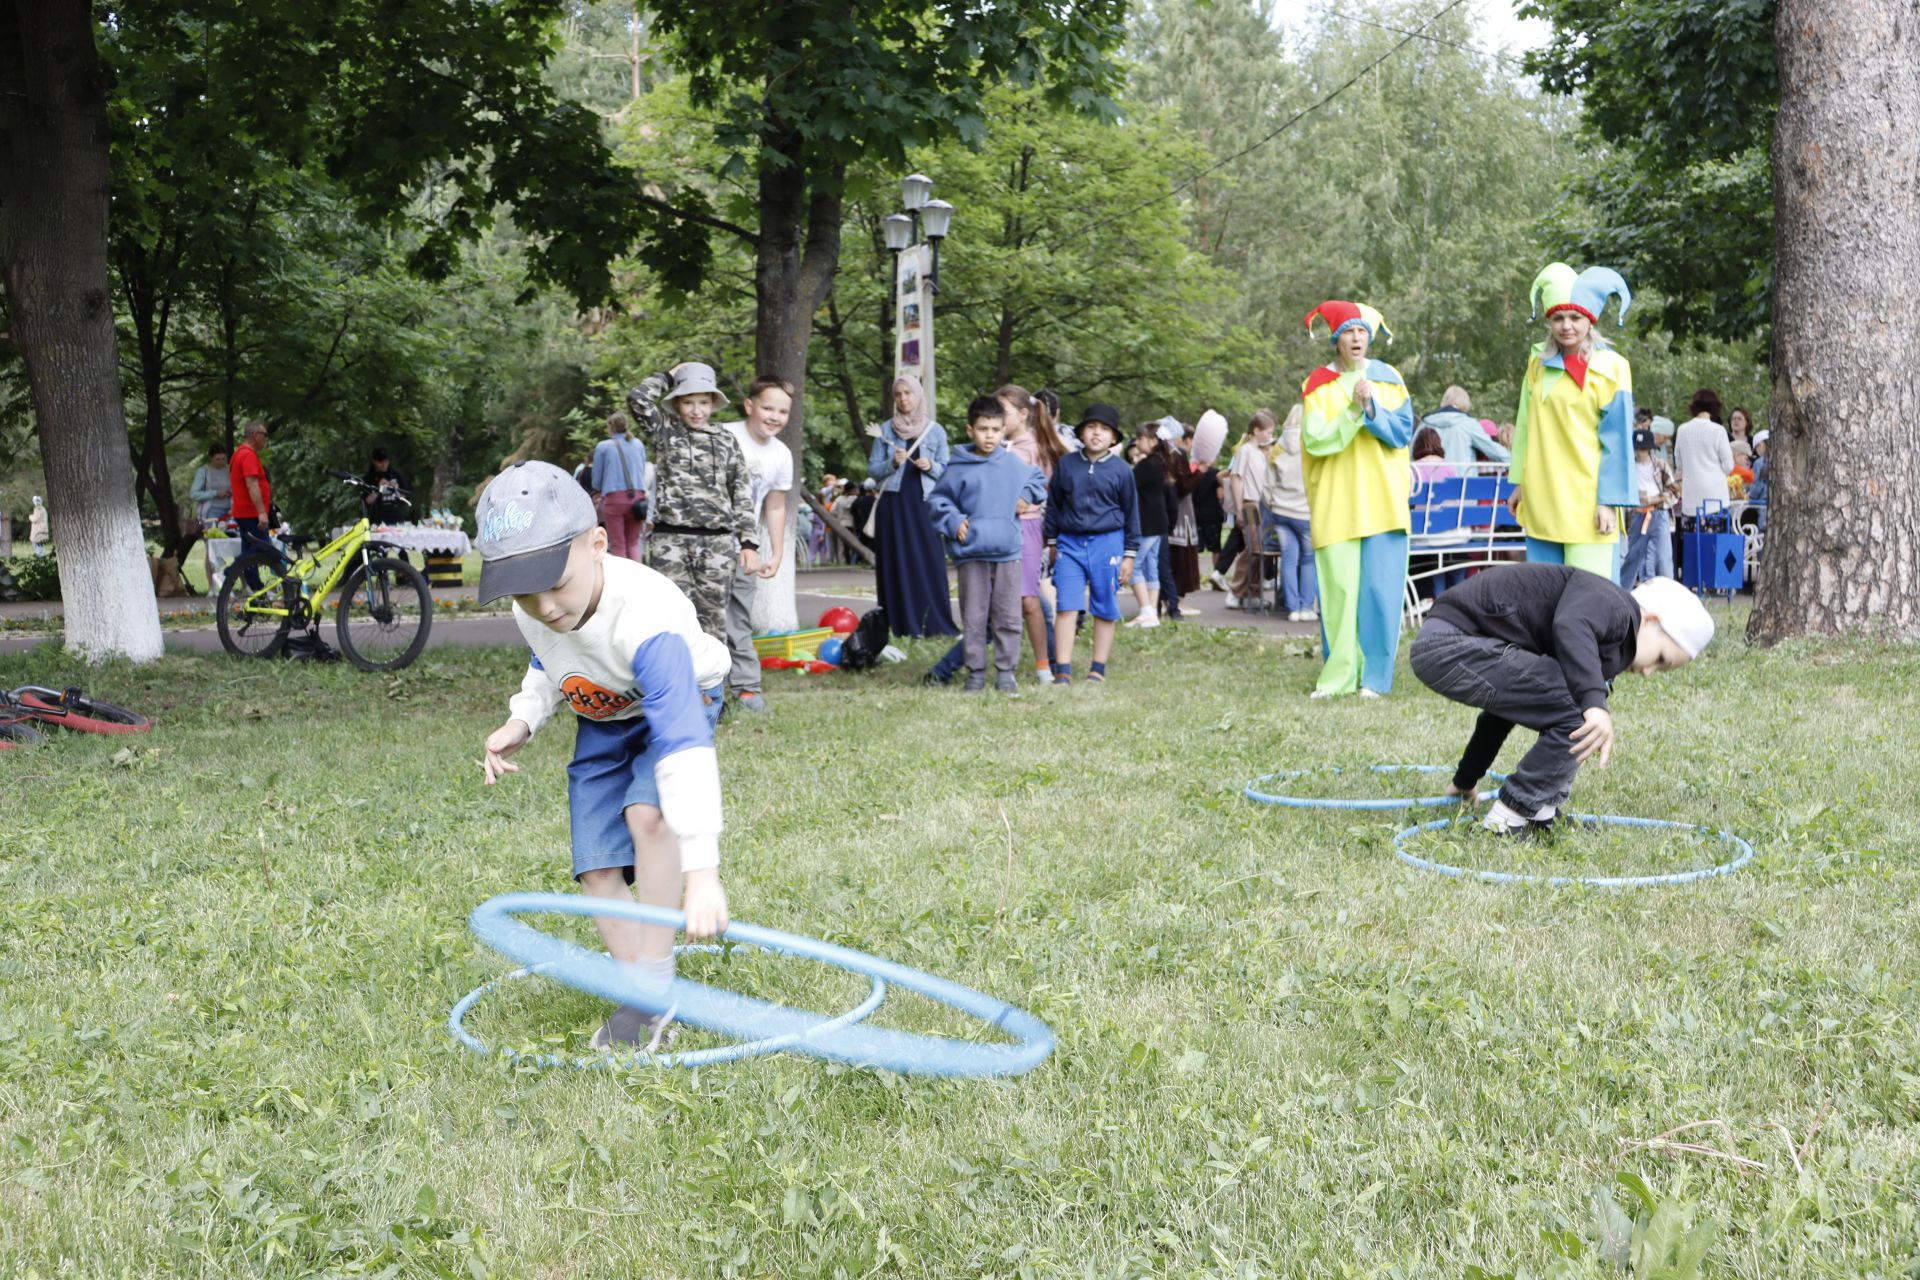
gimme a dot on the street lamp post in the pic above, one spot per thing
(913, 238)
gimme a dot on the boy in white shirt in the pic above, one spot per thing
(770, 473)
(620, 645)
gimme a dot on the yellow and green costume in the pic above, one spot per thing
(1573, 432)
(1358, 475)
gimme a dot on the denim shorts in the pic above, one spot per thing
(613, 763)
(1086, 574)
(1146, 565)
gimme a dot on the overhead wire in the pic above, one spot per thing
(1292, 120)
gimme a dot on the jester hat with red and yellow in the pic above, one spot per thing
(1341, 316)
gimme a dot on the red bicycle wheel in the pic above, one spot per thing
(73, 710)
(15, 731)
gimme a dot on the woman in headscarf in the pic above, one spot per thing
(907, 458)
(1355, 424)
(1572, 467)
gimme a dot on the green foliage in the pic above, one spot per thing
(1679, 98)
(1421, 190)
(31, 577)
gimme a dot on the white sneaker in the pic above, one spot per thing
(1369, 693)
(1309, 615)
(1323, 693)
(1233, 601)
(1503, 821)
(1146, 621)
(1294, 615)
(1219, 580)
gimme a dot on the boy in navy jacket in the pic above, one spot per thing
(976, 505)
(1092, 528)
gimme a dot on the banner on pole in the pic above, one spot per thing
(913, 328)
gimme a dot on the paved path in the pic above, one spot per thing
(818, 590)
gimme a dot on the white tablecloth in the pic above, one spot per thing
(413, 537)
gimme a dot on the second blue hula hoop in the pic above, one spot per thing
(457, 1023)
(1251, 790)
(1742, 856)
(746, 1018)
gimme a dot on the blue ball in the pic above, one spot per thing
(830, 650)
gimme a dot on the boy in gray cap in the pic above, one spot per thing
(619, 645)
(704, 522)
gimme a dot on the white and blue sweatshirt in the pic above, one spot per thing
(1086, 497)
(642, 653)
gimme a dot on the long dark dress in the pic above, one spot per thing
(913, 562)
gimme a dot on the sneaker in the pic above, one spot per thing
(631, 1028)
(1323, 693)
(1233, 601)
(1219, 581)
(1560, 822)
(752, 700)
(1146, 621)
(1369, 693)
(975, 684)
(1043, 673)
(934, 681)
(1006, 684)
(1502, 821)
(1309, 615)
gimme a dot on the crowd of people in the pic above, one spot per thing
(1036, 515)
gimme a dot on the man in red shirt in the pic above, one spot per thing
(252, 494)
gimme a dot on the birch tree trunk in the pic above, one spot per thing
(53, 266)
(1843, 535)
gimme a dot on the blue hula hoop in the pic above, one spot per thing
(1252, 792)
(1743, 856)
(457, 1020)
(745, 1018)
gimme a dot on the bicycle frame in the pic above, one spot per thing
(303, 571)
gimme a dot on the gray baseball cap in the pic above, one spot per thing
(529, 516)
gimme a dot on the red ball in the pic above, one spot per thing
(839, 619)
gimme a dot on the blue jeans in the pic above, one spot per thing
(1643, 545)
(1299, 580)
(1662, 537)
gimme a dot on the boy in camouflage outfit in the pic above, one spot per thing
(703, 518)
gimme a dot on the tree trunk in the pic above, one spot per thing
(791, 279)
(53, 265)
(1843, 535)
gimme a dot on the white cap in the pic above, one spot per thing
(1760, 437)
(1679, 611)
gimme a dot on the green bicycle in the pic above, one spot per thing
(383, 615)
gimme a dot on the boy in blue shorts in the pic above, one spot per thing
(620, 646)
(1092, 530)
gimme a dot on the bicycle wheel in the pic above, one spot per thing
(385, 614)
(16, 728)
(73, 710)
(245, 629)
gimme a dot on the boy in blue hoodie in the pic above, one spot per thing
(976, 505)
(1092, 528)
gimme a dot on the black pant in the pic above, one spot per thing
(1510, 686)
(1169, 589)
(253, 537)
(1210, 538)
(1236, 543)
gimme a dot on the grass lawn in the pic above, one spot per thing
(229, 949)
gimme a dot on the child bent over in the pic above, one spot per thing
(1539, 645)
(976, 505)
(1092, 530)
(619, 645)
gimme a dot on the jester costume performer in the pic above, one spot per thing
(1573, 431)
(1357, 474)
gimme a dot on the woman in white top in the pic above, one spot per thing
(1704, 457)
